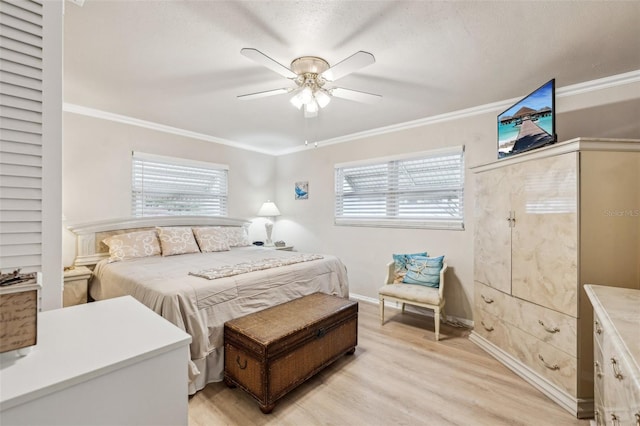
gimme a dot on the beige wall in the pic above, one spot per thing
(97, 174)
(96, 168)
(308, 224)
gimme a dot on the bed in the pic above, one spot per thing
(199, 292)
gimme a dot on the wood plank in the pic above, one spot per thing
(398, 375)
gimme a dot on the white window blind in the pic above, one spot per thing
(173, 186)
(421, 190)
(20, 135)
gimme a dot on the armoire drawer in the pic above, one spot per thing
(554, 328)
(555, 365)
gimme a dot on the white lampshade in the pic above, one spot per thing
(323, 98)
(312, 106)
(306, 95)
(269, 209)
(296, 100)
(311, 109)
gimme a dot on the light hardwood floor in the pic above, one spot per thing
(398, 376)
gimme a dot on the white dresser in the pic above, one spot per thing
(547, 222)
(616, 334)
(103, 363)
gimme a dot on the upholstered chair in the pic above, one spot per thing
(414, 294)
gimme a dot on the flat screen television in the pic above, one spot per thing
(530, 123)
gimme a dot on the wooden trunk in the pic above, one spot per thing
(269, 353)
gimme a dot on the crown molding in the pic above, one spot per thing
(624, 79)
(105, 115)
(572, 90)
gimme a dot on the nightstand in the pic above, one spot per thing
(76, 285)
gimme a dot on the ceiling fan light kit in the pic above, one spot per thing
(310, 74)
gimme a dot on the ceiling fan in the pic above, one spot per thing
(310, 75)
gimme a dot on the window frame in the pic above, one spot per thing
(198, 166)
(393, 195)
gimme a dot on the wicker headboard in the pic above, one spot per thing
(89, 246)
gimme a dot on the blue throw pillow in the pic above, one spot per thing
(424, 270)
(400, 261)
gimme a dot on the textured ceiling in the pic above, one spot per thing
(178, 63)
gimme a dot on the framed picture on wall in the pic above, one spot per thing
(302, 190)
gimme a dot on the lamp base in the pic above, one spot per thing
(268, 226)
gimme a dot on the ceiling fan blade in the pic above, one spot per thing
(347, 66)
(355, 95)
(264, 94)
(264, 60)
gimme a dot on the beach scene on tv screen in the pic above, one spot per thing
(528, 124)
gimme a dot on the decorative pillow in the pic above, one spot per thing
(177, 240)
(236, 236)
(400, 261)
(424, 271)
(132, 245)
(211, 238)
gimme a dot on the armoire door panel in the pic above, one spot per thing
(492, 242)
(544, 253)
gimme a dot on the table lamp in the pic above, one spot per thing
(269, 210)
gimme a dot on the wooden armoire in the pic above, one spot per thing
(546, 223)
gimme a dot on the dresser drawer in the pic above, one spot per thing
(598, 372)
(598, 406)
(598, 331)
(621, 388)
(555, 365)
(623, 417)
(549, 326)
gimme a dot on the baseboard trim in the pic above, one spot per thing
(581, 408)
(427, 312)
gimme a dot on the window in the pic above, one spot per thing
(174, 186)
(419, 190)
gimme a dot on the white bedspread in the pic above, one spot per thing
(201, 306)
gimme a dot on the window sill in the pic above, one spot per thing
(394, 223)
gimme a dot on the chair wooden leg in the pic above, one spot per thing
(381, 310)
(403, 308)
(436, 319)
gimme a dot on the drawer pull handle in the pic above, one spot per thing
(549, 366)
(597, 327)
(485, 326)
(615, 420)
(241, 366)
(547, 329)
(616, 369)
(596, 365)
(487, 300)
(321, 333)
